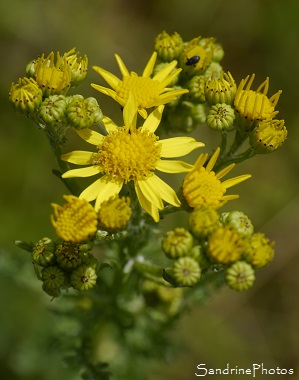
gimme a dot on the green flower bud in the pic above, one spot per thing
(53, 292)
(168, 47)
(30, 68)
(52, 110)
(186, 271)
(203, 221)
(238, 221)
(83, 278)
(83, 113)
(221, 117)
(177, 243)
(240, 276)
(260, 250)
(218, 52)
(268, 136)
(43, 252)
(198, 113)
(25, 96)
(77, 64)
(68, 255)
(89, 260)
(180, 118)
(220, 90)
(213, 71)
(197, 253)
(196, 87)
(52, 277)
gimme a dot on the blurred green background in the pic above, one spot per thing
(259, 36)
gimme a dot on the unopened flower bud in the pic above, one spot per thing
(77, 64)
(52, 110)
(218, 52)
(83, 278)
(203, 220)
(194, 59)
(177, 243)
(240, 276)
(260, 250)
(52, 277)
(43, 252)
(221, 117)
(115, 213)
(25, 96)
(220, 90)
(213, 71)
(68, 255)
(196, 87)
(30, 68)
(53, 292)
(168, 47)
(225, 245)
(238, 221)
(186, 271)
(83, 113)
(198, 254)
(268, 136)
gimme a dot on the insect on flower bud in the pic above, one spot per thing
(25, 96)
(168, 47)
(195, 59)
(240, 276)
(177, 243)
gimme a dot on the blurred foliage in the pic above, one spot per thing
(258, 36)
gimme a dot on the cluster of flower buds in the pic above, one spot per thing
(42, 94)
(214, 243)
(214, 98)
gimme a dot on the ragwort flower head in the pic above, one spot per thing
(148, 92)
(129, 154)
(254, 106)
(202, 186)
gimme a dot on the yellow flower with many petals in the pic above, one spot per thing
(148, 92)
(131, 154)
(203, 187)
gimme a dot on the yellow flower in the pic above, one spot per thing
(203, 187)
(115, 213)
(253, 106)
(129, 154)
(75, 221)
(148, 92)
(51, 77)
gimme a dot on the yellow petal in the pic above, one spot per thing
(142, 112)
(90, 136)
(224, 171)
(153, 120)
(92, 191)
(178, 146)
(146, 204)
(130, 112)
(111, 79)
(150, 193)
(170, 78)
(78, 157)
(234, 181)
(168, 166)
(104, 90)
(163, 74)
(110, 126)
(213, 160)
(107, 189)
(150, 65)
(122, 67)
(82, 172)
(161, 189)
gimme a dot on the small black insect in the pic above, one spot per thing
(193, 60)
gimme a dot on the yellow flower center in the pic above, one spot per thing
(254, 105)
(201, 187)
(127, 156)
(115, 213)
(76, 220)
(145, 90)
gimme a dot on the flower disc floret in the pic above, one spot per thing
(128, 156)
(115, 213)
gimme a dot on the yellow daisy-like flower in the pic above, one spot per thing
(129, 154)
(75, 221)
(253, 106)
(148, 92)
(203, 187)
